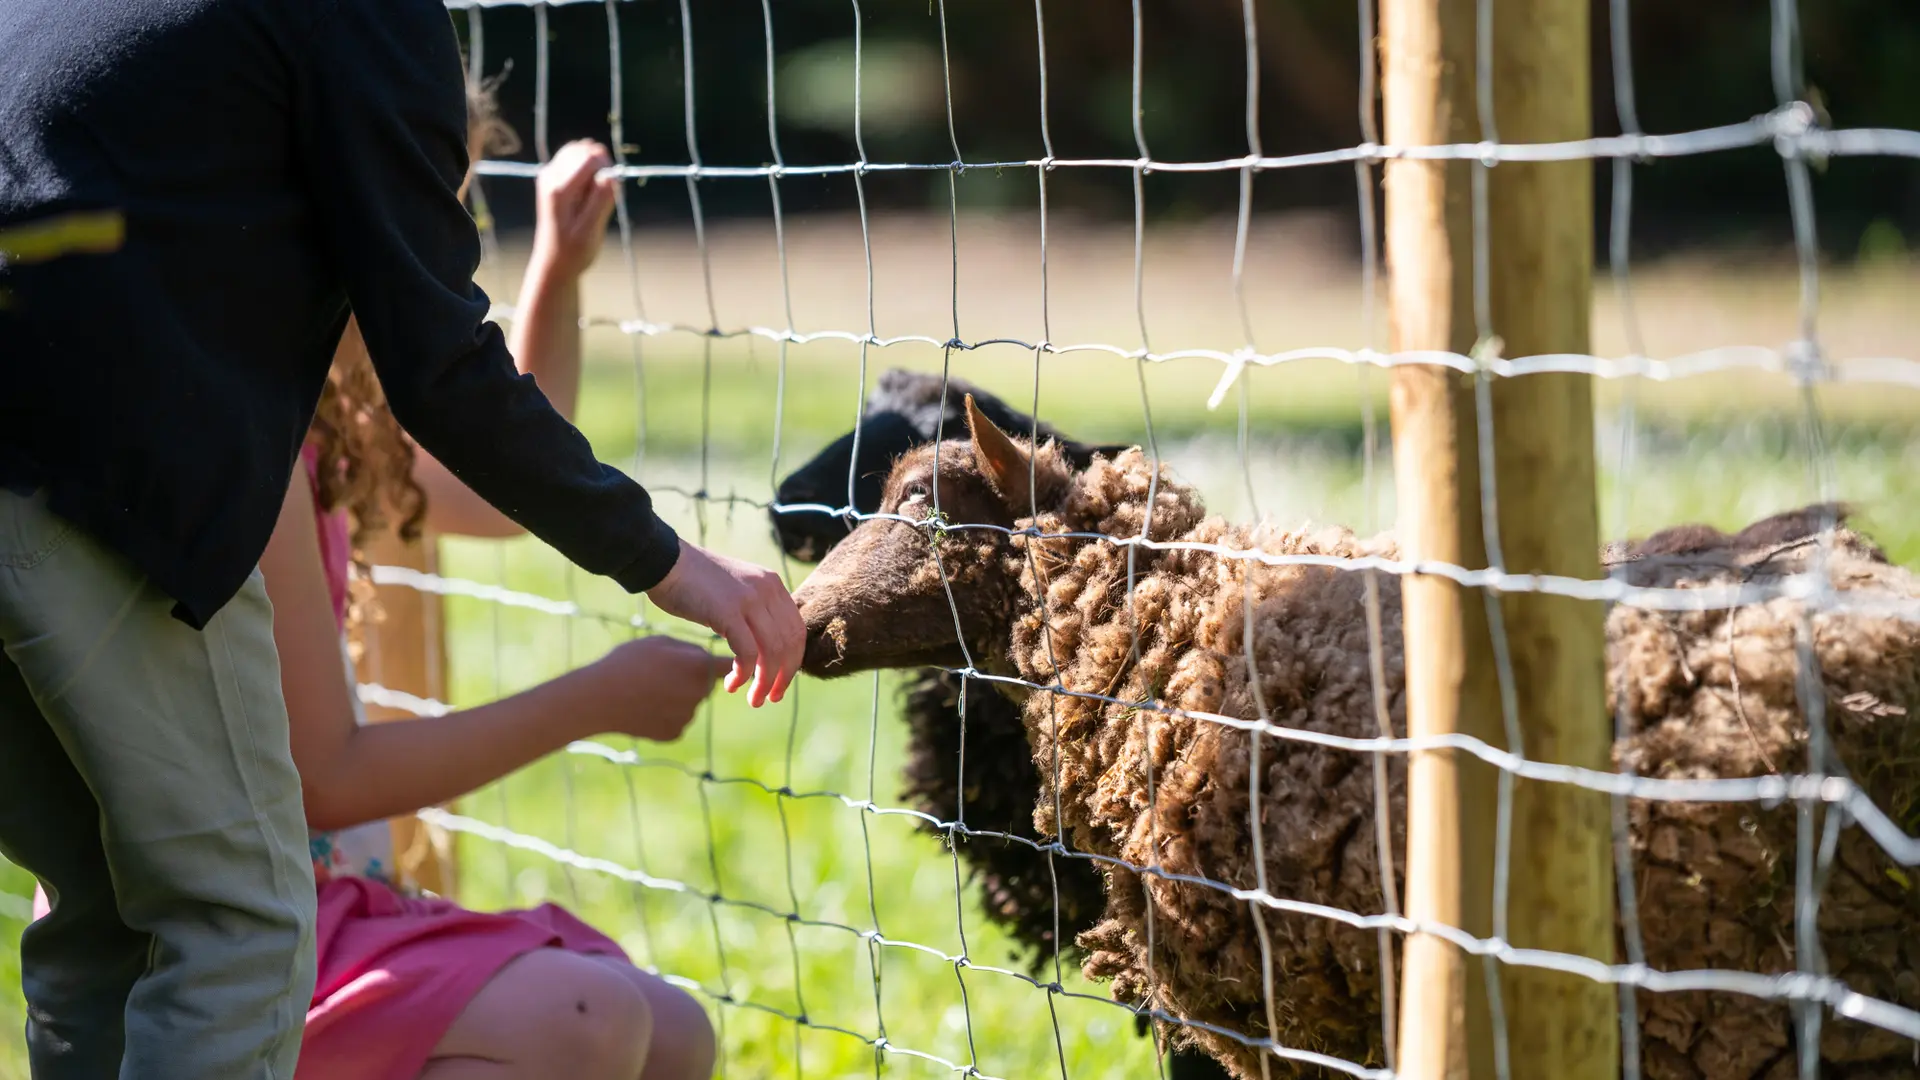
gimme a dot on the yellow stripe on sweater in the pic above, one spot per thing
(84, 232)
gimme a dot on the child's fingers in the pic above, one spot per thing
(600, 203)
(579, 179)
(588, 195)
(780, 648)
(595, 199)
(591, 157)
(580, 149)
(746, 648)
(591, 148)
(576, 166)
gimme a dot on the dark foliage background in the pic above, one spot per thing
(1695, 64)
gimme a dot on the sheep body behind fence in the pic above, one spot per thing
(1704, 693)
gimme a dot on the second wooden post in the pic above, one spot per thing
(1539, 225)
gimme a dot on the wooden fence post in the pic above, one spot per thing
(1541, 219)
(1539, 225)
(1426, 51)
(406, 650)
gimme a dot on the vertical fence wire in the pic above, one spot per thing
(1052, 790)
(1808, 372)
(1363, 174)
(618, 149)
(1137, 117)
(1487, 347)
(1619, 265)
(689, 93)
(1256, 775)
(543, 153)
(875, 952)
(953, 834)
(490, 255)
(784, 795)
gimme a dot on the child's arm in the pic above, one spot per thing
(350, 773)
(573, 204)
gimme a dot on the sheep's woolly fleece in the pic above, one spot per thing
(1704, 694)
(1017, 887)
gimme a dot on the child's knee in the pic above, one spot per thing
(604, 1025)
(683, 1042)
(688, 1052)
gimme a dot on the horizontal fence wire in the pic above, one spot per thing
(1885, 370)
(1811, 589)
(1791, 129)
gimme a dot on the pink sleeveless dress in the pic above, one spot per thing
(396, 968)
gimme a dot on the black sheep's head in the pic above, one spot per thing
(807, 534)
(906, 412)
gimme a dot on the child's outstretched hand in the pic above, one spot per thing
(745, 604)
(651, 687)
(573, 203)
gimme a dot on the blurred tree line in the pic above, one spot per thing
(1695, 64)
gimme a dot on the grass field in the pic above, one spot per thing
(1718, 449)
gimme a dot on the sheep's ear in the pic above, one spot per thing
(1005, 464)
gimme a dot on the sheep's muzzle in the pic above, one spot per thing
(826, 647)
(825, 600)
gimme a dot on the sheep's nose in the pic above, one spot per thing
(826, 628)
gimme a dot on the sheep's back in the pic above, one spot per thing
(1715, 694)
(1715, 879)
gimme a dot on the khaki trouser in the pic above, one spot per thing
(145, 778)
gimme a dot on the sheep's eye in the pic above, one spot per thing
(916, 492)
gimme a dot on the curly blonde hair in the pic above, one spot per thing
(364, 460)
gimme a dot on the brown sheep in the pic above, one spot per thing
(1704, 693)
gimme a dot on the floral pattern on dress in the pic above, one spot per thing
(357, 851)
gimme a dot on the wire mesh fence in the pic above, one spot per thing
(1826, 798)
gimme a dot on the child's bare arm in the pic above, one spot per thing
(350, 774)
